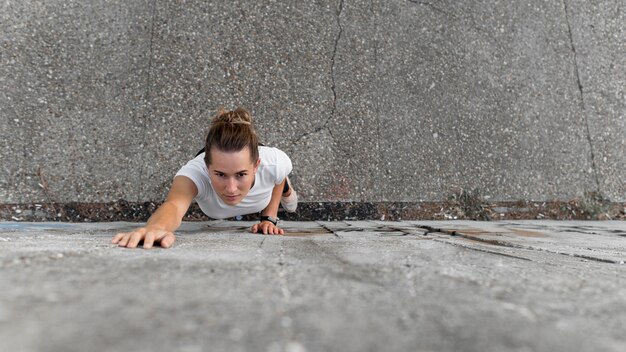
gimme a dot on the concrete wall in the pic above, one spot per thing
(382, 100)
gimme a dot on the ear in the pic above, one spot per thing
(256, 165)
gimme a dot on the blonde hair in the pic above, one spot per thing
(231, 131)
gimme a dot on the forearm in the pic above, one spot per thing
(272, 208)
(166, 217)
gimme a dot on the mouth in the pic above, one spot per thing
(231, 197)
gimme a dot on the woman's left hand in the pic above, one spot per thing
(267, 228)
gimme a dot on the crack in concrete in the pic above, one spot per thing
(306, 134)
(482, 250)
(328, 229)
(431, 6)
(332, 59)
(582, 96)
(333, 83)
(403, 231)
(148, 83)
(453, 233)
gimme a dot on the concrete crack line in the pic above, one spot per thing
(328, 229)
(453, 233)
(148, 91)
(481, 250)
(407, 231)
(431, 6)
(333, 84)
(332, 59)
(306, 134)
(582, 96)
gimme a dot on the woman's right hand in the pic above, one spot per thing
(149, 236)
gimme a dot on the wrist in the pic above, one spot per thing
(272, 219)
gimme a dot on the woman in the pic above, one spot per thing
(233, 176)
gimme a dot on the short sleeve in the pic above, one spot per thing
(283, 166)
(196, 170)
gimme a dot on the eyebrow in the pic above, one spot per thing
(222, 172)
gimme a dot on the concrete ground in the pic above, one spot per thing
(327, 286)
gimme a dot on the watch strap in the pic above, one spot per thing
(271, 219)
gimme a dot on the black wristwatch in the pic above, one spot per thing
(271, 219)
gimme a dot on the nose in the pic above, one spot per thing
(231, 186)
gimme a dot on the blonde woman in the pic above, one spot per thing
(233, 175)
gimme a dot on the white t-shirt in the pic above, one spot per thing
(274, 167)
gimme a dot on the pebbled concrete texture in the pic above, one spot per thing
(72, 98)
(484, 95)
(599, 41)
(326, 286)
(250, 53)
(373, 100)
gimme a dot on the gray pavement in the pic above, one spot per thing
(326, 286)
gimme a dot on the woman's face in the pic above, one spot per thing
(232, 174)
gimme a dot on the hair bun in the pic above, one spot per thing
(237, 116)
(232, 131)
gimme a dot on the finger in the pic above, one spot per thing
(168, 240)
(125, 239)
(117, 237)
(134, 240)
(149, 240)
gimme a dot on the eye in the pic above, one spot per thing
(241, 174)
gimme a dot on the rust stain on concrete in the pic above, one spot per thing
(526, 233)
(477, 232)
(307, 232)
